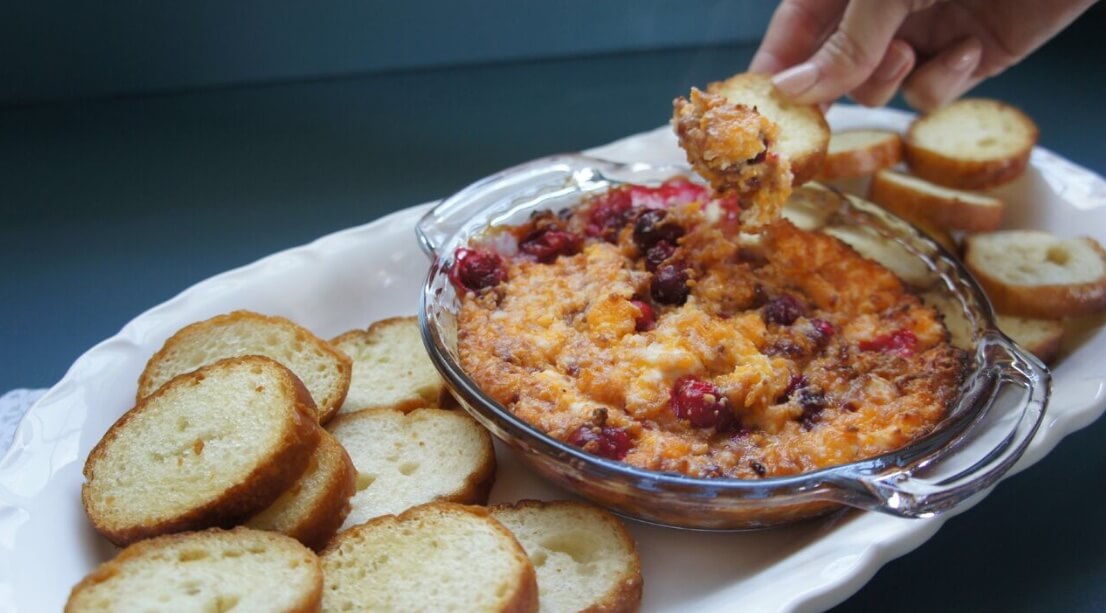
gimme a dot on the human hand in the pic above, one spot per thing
(935, 50)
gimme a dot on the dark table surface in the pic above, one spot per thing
(110, 207)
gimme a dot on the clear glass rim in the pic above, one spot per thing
(977, 391)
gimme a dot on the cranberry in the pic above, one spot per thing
(700, 403)
(647, 320)
(758, 468)
(610, 212)
(670, 285)
(476, 269)
(604, 441)
(651, 229)
(823, 328)
(900, 342)
(782, 310)
(657, 254)
(795, 383)
(546, 245)
(813, 402)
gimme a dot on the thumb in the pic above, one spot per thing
(849, 56)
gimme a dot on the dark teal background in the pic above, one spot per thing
(58, 50)
(111, 203)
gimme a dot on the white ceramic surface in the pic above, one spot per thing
(354, 277)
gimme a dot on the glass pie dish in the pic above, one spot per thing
(998, 409)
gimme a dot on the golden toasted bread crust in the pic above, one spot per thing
(863, 161)
(962, 173)
(261, 487)
(476, 488)
(316, 528)
(308, 604)
(1045, 346)
(945, 212)
(325, 410)
(806, 165)
(525, 597)
(1040, 301)
(626, 597)
(415, 401)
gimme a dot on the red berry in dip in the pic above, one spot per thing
(700, 403)
(670, 285)
(604, 441)
(476, 269)
(608, 214)
(647, 320)
(657, 254)
(651, 228)
(900, 342)
(546, 245)
(782, 310)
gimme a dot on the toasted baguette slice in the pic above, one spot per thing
(916, 199)
(971, 144)
(435, 557)
(1041, 337)
(325, 371)
(214, 570)
(803, 132)
(407, 459)
(316, 505)
(390, 367)
(585, 559)
(856, 153)
(1035, 274)
(209, 448)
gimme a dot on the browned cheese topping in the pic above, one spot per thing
(643, 327)
(729, 145)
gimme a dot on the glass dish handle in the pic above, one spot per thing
(986, 452)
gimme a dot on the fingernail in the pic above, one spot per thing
(963, 61)
(797, 79)
(893, 68)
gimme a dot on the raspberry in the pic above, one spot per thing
(476, 269)
(670, 285)
(603, 441)
(700, 403)
(647, 320)
(546, 245)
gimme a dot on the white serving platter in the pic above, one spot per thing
(351, 278)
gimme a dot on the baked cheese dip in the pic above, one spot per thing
(642, 326)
